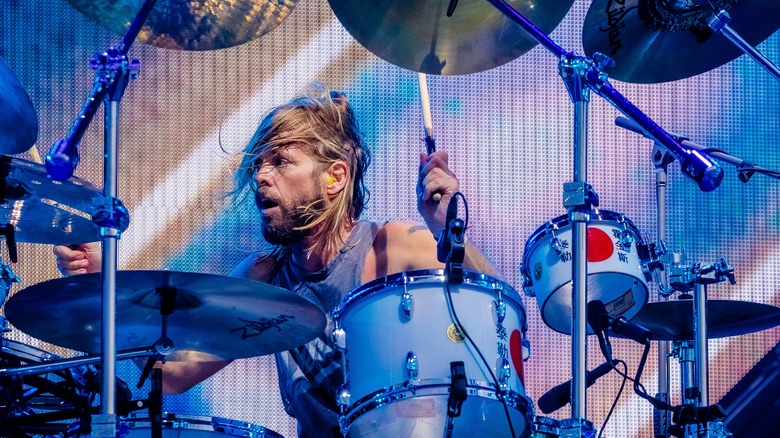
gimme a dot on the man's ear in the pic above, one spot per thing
(337, 177)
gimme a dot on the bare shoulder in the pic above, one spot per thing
(256, 266)
(406, 246)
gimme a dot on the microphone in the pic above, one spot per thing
(443, 244)
(598, 319)
(620, 325)
(62, 159)
(458, 389)
(694, 162)
(560, 395)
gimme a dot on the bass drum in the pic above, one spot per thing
(190, 426)
(615, 274)
(399, 340)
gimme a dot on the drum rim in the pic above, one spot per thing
(169, 418)
(563, 220)
(520, 402)
(469, 277)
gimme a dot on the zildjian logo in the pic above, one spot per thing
(615, 22)
(250, 329)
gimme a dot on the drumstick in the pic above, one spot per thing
(34, 154)
(430, 143)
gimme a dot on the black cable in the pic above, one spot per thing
(617, 396)
(500, 394)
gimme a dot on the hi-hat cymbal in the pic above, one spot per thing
(19, 121)
(418, 35)
(191, 24)
(673, 320)
(42, 210)
(214, 317)
(656, 41)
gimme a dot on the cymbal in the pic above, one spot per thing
(191, 24)
(214, 317)
(673, 320)
(654, 41)
(43, 210)
(19, 123)
(418, 35)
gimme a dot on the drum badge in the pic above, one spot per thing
(454, 333)
(538, 271)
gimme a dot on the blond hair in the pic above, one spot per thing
(323, 122)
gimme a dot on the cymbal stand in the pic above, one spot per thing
(114, 70)
(581, 75)
(719, 22)
(7, 275)
(661, 159)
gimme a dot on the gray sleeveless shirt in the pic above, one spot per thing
(310, 375)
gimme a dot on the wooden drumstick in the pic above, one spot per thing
(34, 155)
(430, 143)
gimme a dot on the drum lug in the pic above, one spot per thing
(626, 241)
(411, 365)
(500, 307)
(556, 245)
(504, 372)
(339, 337)
(407, 304)
(344, 396)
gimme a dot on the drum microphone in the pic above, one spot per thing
(443, 245)
(694, 162)
(62, 159)
(600, 321)
(560, 395)
(458, 389)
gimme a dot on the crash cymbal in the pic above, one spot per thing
(46, 211)
(19, 121)
(658, 41)
(673, 320)
(418, 35)
(191, 24)
(214, 317)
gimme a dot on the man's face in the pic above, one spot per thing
(287, 181)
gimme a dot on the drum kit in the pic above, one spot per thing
(401, 386)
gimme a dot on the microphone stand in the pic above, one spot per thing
(113, 72)
(580, 75)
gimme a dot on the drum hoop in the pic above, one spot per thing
(472, 278)
(563, 221)
(478, 388)
(172, 420)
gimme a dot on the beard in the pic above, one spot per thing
(285, 226)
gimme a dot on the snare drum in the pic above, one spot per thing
(190, 426)
(615, 273)
(399, 339)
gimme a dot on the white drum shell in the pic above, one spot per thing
(618, 281)
(380, 337)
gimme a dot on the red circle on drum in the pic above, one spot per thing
(600, 246)
(516, 352)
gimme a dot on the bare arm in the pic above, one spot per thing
(436, 177)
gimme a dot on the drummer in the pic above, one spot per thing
(305, 166)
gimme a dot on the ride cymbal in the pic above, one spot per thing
(19, 121)
(42, 210)
(213, 317)
(659, 41)
(191, 24)
(673, 320)
(419, 36)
